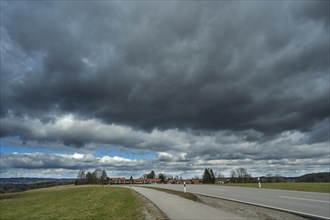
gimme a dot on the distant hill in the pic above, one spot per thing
(32, 180)
(315, 177)
(8, 185)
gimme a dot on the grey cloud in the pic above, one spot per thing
(37, 161)
(320, 133)
(65, 161)
(314, 10)
(200, 68)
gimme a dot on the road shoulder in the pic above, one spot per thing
(176, 207)
(246, 210)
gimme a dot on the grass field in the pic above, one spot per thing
(72, 202)
(310, 187)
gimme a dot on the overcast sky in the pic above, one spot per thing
(174, 87)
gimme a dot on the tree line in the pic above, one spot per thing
(96, 177)
(152, 175)
(241, 175)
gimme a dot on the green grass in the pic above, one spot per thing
(310, 187)
(70, 202)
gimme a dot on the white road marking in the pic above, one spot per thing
(314, 200)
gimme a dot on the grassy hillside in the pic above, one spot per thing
(72, 202)
(311, 187)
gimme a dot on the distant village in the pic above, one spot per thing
(153, 181)
(240, 175)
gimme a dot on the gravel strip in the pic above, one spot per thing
(248, 211)
(150, 211)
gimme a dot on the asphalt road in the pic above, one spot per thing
(304, 203)
(176, 207)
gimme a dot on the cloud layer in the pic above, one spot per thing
(193, 82)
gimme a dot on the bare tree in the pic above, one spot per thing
(233, 176)
(81, 178)
(96, 176)
(242, 175)
(89, 178)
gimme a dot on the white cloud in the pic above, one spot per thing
(112, 160)
(179, 152)
(77, 156)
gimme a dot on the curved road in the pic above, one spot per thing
(304, 203)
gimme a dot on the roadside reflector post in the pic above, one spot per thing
(184, 187)
(259, 182)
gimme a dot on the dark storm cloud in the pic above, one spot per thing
(214, 84)
(210, 66)
(314, 10)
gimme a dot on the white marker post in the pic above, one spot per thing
(184, 187)
(259, 182)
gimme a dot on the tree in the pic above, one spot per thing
(89, 178)
(150, 175)
(169, 177)
(279, 178)
(220, 176)
(81, 178)
(233, 176)
(242, 175)
(162, 177)
(94, 179)
(131, 180)
(212, 176)
(96, 176)
(104, 177)
(206, 176)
